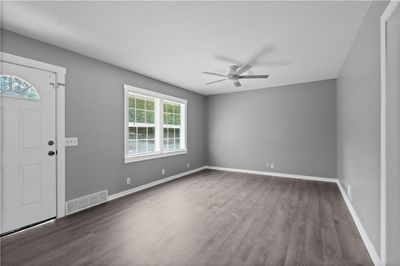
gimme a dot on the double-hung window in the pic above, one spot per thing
(155, 124)
(172, 126)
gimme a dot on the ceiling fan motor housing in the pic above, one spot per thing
(232, 69)
(235, 74)
(233, 77)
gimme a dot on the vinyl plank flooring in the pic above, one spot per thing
(206, 218)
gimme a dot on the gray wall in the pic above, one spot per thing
(293, 126)
(358, 122)
(94, 114)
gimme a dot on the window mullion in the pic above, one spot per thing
(183, 127)
(161, 124)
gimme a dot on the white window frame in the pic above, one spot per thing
(158, 117)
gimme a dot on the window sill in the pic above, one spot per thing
(132, 159)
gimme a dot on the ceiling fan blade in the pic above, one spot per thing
(260, 54)
(214, 74)
(274, 63)
(212, 82)
(237, 84)
(243, 69)
(227, 59)
(254, 77)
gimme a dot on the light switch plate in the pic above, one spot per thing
(71, 142)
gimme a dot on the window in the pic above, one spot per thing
(141, 125)
(172, 125)
(155, 125)
(13, 86)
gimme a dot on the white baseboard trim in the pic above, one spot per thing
(304, 177)
(367, 242)
(152, 184)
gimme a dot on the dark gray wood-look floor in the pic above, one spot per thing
(207, 218)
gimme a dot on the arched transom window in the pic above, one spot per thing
(13, 86)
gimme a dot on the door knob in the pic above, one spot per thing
(51, 143)
(51, 153)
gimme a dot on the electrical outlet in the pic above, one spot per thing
(271, 165)
(349, 191)
(71, 142)
(187, 165)
(163, 171)
(128, 180)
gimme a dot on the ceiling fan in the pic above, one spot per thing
(235, 74)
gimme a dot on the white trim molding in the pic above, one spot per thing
(304, 177)
(153, 184)
(60, 73)
(367, 241)
(170, 178)
(22, 61)
(155, 155)
(383, 23)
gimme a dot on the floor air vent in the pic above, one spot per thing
(85, 202)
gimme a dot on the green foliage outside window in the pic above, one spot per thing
(142, 132)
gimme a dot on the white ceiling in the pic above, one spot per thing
(176, 41)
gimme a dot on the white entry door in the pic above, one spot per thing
(28, 146)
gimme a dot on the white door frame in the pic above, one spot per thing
(384, 18)
(59, 84)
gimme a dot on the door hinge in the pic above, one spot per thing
(56, 84)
